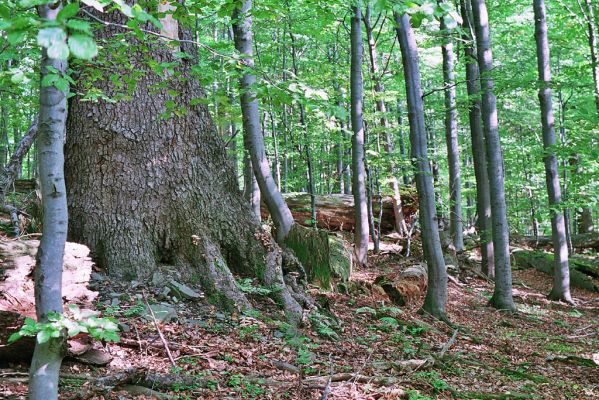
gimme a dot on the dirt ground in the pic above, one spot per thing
(364, 345)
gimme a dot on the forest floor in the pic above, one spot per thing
(372, 350)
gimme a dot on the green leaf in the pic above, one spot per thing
(69, 11)
(95, 4)
(79, 25)
(61, 84)
(83, 46)
(43, 336)
(54, 40)
(17, 76)
(14, 337)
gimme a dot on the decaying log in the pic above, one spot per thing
(335, 212)
(582, 270)
(409, 284)
(326, 258)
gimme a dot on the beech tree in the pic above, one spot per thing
(48, 355)
(436, 294)
(451, 136)
(502, 295)
(561, 274)
(479, 158)
(253, 138)
(358, 169)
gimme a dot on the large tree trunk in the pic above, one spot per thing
(561, 274)
(148, 188)
(358, 155)
(436, 294)
(400, 223)
(242, 29)
(479, 158)
(451, 139)
(47, 356)
(502, 295)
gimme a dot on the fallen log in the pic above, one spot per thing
(582, 270)
(335, 212)
(581, 241)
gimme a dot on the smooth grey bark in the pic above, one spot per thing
(561, 269)
(280, 214)
(358, 156)
(436, 294)
(400, 223)
(402, 144)
(502, 295)
(456, 228)
(477, 136)
(251, 190)
(585, 217)
(589, 15)
(47, 357)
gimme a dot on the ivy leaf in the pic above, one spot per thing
(69, 11)
(83, 46)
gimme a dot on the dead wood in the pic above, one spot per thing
(335, 212)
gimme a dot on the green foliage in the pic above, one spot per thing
(246, 285)
(80, 321)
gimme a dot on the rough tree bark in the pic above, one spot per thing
(147, 189)
(242, 31)
(358, 169)
(47, 357)
(400, 223)
(456, 229)
(561, 269)
(479, 158)
(436, 294)
(502, 295)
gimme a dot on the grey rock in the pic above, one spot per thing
(98, 277)
(124, 328)
(115, 302)
(162, 312)
(184, 291)
(157, 278)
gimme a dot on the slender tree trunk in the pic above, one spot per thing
(436, 294)
(479, 158)
(251, 190)
(592, 35)
(561, 269)
(402, 144)
(585, 224)
(47, 357)
(358, 155)
(281, 216)
(400, 223)
(456, 228)
(502, 295)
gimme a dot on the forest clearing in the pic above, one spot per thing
(239, 199)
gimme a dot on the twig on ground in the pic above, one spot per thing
(162, 338)
(448, 344)
(327, 388)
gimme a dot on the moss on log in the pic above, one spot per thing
(582, 270)
(326, 258)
